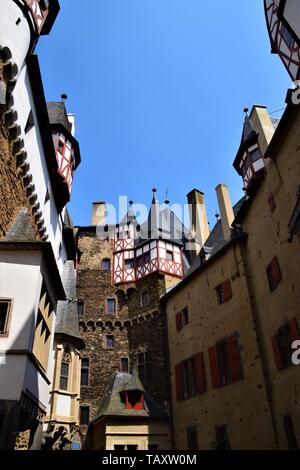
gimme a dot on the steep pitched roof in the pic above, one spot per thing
(22, 229)
(112, 405)
(58, 114)
(67, 314)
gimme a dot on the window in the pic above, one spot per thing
(80, 308)
(124, 364)
(274, 274)
(222, 441)
(287, 37)
(64, 376)
(43, 328)
(182, 319)
(282, 343)
(290, 433)
(192, 438)
(224, 292)
(84, 418)
(145, 366)
(129, 263)
(144, 298)
(4, 316)
(134, 400)
(85, 364)
(109, 342)
(119, 447)
(146, 258)
(170, 256)
(140, 261)
(111, 306)
(106, 264)
(190, 377)
(225, 362)
(255, 155)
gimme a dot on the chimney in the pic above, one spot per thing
(99, 213)
(226, 211)
(263, 125)
(198, 218)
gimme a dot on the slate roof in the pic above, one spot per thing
(67, 314)
(22, 229)
(58, 115)
(112, 405)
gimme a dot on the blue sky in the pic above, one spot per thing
(158, 88)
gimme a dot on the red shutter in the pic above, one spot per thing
(200, 373)
(226, 286)
(276, 351)
(234, 356)
(294, 330)
(275, 270)
(178, 321)
(214, 367)
(178, 381)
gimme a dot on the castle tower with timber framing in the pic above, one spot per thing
(124, 270)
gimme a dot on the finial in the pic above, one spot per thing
(217, 216)
(154, 190)
(64, 97)
(167, 201)
(246, 110)
(130, 203)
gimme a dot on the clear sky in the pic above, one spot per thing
(158, 88)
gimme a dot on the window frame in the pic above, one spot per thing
(106, 342)
(81, 304)
(85, 407)
(106, 305)
(144, 304)
(104, 260)
(121, 365)
(85, 368)
(146, 366)
(62, 376)
(5, 332)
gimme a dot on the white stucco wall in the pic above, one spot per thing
(63, 405)
(14, 36)
(38, 167)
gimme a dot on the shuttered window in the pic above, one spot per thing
(190, 377)
(224, 292)
(282, 344)
(274, 274)
(225, 362)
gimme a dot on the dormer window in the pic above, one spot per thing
(134, 400)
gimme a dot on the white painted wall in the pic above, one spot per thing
(63, 405)
(38, 167)
(16, 37)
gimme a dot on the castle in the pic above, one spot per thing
(150, 334)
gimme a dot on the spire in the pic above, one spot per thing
(129, 217)
(153, 217)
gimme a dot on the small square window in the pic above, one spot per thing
(4, 315)
(60, 146)
(106, 264)
(185, 317)
(144, 298)
(111, 305)
(170, 256)
(109, 341)
(140, 261)
(220, 294)
(129, 263)
(146, 258)
(124, 364)
(80, 308)
(84, 415)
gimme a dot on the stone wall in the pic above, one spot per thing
(135, 328)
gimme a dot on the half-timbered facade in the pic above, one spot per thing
(284, 40)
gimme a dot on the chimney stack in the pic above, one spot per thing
(226, 211)
(198, 218)
(263, 125)
(99, 213)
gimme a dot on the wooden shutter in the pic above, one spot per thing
(294, 330)
(276, 351)
(226, 286)
(200, 373)
(235, 361)
(178, 381)
(178, 321)
(275, 270)
(214, 367)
